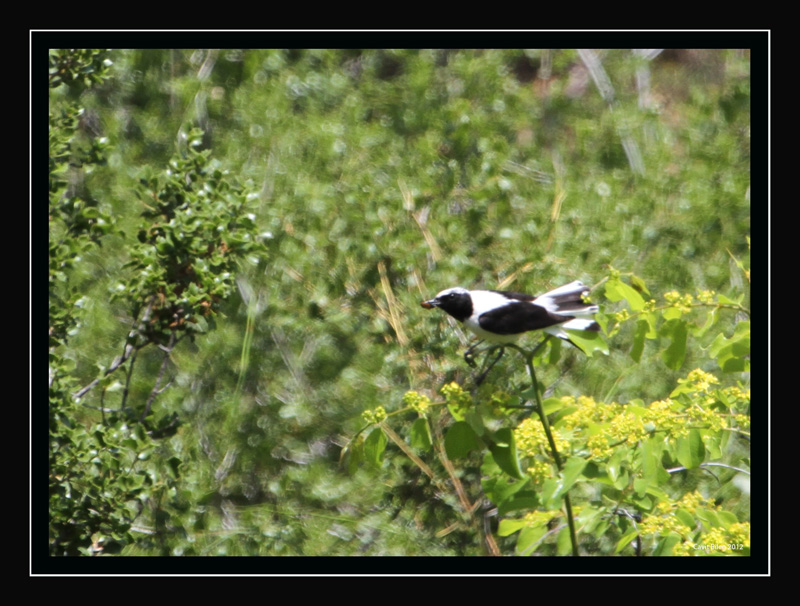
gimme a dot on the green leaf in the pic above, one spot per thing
(505, 492)
(672, 313)
(711, 319)
(174, 466)
(723, 300)
(685, 518)
(460, 439)
(642, 328)
(617, 290)
(588, 341)
(625, 540)
(421, 435)
(553, 351)
(550, 405)
(504, 450)
(712, 444)
(523, 500)
(709, 518)
(564, 541)
(674, 355)
(509, 526)
(593, 471)
(726, 518)
(732, 354)
(549, 494)
(639, 284)
(640, 486)
(652, 469)
(665, 545)
(529, 539)
(571, 473)
(355, 455)
(614, 465)
(555, 489)
(374, 447)
(690, 449)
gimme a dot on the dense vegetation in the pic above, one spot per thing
(239, 241)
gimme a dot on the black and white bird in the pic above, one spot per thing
(501, 316)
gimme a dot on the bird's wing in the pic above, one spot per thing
(518, 317)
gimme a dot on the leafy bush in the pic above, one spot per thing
(104, 475)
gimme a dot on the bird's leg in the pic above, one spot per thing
(469, 355)
(489, 367)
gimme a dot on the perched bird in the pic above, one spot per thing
(501, 316)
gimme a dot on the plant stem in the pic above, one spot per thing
(528, 355)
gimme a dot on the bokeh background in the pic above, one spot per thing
(381, 177)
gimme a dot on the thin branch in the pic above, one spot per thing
(491, 543)
(400, 443)
(528, 355)
(127, 351)
(448, 465)
(128, 377)
(710, 464)
(173, 341)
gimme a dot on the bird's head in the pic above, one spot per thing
(455, 301)
(450, 295)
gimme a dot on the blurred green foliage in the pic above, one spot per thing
(373, 179)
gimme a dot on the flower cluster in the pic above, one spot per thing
(608, 425)
(663, 525)
(682, 302)
(539, 471)
(666, 416)
(695, 403)
(542, 518)
(417, 402)
(589, 412)
(622, 315)
(374, 416)
(704, 400)
(531, 439)
(699, 381)
(706, 297)
(667, 517)
(733, 540)
(742, 421)
(455, 396)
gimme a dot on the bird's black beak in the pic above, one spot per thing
(430, 304)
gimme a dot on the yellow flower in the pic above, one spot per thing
(706, 296)
(541, 518)
(455, 395)
(374, 416)
(702, 380)
(417, 402)
(539, 471)
(531, 439)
